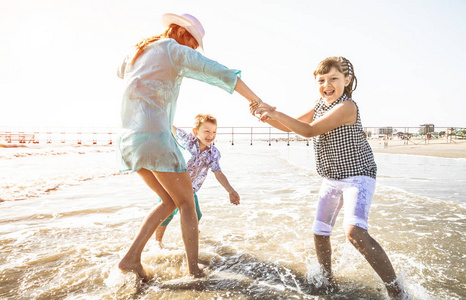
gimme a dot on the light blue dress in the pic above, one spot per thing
(152, 85)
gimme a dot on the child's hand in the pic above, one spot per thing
(265, 114)
(234, 197)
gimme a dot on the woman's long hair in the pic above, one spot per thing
(172, 32)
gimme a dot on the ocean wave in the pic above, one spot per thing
(37, 170)
(39, 187)
(19, 151)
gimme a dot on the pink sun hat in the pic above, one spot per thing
(189, 22)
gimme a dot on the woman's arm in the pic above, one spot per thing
(246, 92)
(342, 114)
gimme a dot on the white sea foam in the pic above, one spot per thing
(65, 243)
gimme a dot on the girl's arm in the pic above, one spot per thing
(277, 125)
(343, 114)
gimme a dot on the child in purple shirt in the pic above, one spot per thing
(205, 156)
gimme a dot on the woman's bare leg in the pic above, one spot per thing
(132, 260)
(179, 187)
(377, 258)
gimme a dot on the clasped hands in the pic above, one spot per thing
(261, 110)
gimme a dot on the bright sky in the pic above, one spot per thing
(59, 58)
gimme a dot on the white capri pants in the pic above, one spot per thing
(355, 193)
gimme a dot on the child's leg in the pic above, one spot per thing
(376, 256)
(357, 198)
(198, 208)
(324, 253)
(160, 231)
(328, 206)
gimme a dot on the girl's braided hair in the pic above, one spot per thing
(343, 66)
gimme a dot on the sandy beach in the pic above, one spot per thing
(438, 148)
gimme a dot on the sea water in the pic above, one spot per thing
(68, 216)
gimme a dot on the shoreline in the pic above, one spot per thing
(437, 148)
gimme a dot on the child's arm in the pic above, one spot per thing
(343, 114)
(234, 196)
(181, 136)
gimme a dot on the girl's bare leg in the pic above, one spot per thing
(132, 260)
(324, 254)
(376, 257)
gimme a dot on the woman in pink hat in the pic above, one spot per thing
(152, 76)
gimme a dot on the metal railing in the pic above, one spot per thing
(233, 135)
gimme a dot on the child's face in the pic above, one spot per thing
(332, 85)
(206, 133)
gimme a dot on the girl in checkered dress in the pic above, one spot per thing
(345, 160)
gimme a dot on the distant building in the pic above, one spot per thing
(385, 130)
(426, 128)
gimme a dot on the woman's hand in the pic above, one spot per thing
(257, 108)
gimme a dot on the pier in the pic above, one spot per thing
(58, 136)
(232, 135)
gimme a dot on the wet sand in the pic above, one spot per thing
(438, 148)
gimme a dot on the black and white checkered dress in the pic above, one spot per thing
(344, 151)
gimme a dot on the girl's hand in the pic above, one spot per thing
(265, 114)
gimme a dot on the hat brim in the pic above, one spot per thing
(168, 19)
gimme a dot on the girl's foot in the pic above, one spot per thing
(329, 287)
(396, 291)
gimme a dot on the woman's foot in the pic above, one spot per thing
(197, 273)
(138, 268)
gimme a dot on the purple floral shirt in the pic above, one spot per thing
(200, 163)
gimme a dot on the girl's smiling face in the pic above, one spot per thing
(332, 85)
